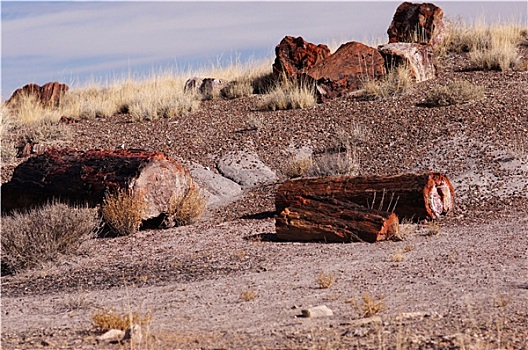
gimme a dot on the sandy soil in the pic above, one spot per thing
(460, 284)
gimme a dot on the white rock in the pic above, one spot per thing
(317, 311)
(113, 334)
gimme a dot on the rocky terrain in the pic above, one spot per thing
(225, 282)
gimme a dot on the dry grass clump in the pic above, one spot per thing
(368, 305)
(107, 319)
(455, 92)
(289, 94)
(122, 211)
(325, 280)
(248, 295)
(336, 164)
(298, 167)
(492, 46)
(29, 121)
(188, 209)
(44, 234)
(396, 82)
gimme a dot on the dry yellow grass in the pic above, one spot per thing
(288, 94)
(397, 81)
(368, 305)
(188, 209)
(248, 295)
(106, 319)
(325, 280)
(455, 92)
(490, 46)
(123, 211)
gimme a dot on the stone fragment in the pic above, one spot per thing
(49, 95)
(417, 23)
(346, 70)
(317, 311)
(220, 190)
(133, 334)
(294, 56)
(111, 335)
(207, 88)
(418, 57)
(246, 169)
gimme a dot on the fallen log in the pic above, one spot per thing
(411, 196)
(314, 218)
(85, 177)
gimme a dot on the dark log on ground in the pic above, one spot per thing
(411, 196)
(84, 177)
(315, 218)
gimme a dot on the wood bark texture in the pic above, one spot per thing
(412, 196)
(84, 177)
(316, 218)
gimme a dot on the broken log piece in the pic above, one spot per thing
(84, 177)
(315, 218)
(412, 196)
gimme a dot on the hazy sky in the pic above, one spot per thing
(72, 42)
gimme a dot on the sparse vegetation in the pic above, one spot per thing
(189, 209)
(455, 92)
(368, 305)
(289, 94)
(44, 234)
(396, 82)
(325, 280)
(492, 46)
(122, 211)
(248, 295)
(397, 256)
(298, 167)
(106, 319)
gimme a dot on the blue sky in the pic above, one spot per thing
(73, 42)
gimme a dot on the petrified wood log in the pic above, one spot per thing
(411, 196)
(315, 218)
(86, 176)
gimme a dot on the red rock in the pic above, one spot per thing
(426, 17)
(419, 58)
(49, 94)
(346, 70)
(294, 56)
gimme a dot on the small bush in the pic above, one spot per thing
(325, 280)
(237, 89)
(336, 164)
(248, 295)
(396, 82)
(289, 94)
(189, 208)
(44, 234)
(122, 211)
(456, 92)
(369, 306)
(107, 319)
(298, 167)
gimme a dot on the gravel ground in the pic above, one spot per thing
(463, 284)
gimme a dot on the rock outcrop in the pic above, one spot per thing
(207, 88)
(346, 70)
(417, 23)
(49, 95)
(246, 169)
(295, 56)
(418, 57)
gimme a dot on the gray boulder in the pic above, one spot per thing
(218, 190)
(246, 169)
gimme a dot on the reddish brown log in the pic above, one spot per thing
(313, 218)
(86, 176)
(411, 196)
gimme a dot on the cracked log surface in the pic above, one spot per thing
(84, 177)
(319, 218)
(412, 196)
